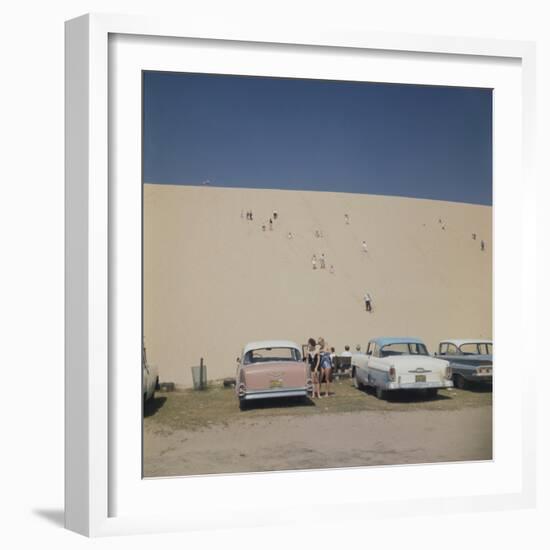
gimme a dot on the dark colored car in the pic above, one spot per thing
(471, 360)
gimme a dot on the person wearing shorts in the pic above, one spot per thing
(325, 364)
(313, 361)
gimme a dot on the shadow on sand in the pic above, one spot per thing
(407, 396)
(282, 403)
(153, 405)
(479, 388)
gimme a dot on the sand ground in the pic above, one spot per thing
(189, 432)
(214, 281)
(334, 440)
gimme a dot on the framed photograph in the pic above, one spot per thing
(310, 244)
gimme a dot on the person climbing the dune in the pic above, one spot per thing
(368, 302)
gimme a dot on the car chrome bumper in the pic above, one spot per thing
(274, 393)
(417, 385)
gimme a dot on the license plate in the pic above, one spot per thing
(276, 383)
(420, 378)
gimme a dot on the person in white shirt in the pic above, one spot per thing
(364, 245)
(346, 353)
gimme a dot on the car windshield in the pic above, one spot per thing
(403, 348)
(265, 355)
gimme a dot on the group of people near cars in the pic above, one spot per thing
(319, 357)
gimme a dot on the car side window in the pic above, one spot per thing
(443, 349)
(484, 349)
(469, 349)
(452, 349)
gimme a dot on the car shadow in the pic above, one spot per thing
(406, 396)
(282, 403)
(479, 388)
(153, 405)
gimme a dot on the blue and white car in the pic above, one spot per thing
(401, 363)
(471, 360)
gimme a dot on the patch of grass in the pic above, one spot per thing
(193, 410)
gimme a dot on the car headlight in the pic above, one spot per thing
(242, 389)
(392, 374)
(448, 372)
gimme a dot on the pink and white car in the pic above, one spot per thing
(271, 369)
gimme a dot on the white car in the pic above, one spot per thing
(150, 378)
(400, 364)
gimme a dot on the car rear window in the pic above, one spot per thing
(264, 355)
(404, 348)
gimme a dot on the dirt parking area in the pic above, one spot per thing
(191, 432)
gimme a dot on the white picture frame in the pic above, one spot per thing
(98, 499)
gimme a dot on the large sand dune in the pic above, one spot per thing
(213, 281)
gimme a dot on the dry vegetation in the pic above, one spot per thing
(193, 410)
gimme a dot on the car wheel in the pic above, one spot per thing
(243, 405)
(380, 393)
(459, 382)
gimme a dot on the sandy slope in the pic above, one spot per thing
(214, 281)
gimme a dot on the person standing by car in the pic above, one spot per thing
(325, 364)
(313, 361)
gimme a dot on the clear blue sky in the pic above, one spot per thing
(417, 141)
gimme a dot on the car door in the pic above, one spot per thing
(371, 354)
